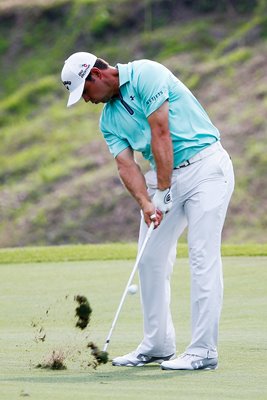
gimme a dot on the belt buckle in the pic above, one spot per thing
(185, 164)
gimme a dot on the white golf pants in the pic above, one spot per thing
(201, 194)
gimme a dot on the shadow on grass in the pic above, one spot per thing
(148, 373)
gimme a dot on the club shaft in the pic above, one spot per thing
(139, 255)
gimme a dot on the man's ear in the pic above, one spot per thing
(96, 72)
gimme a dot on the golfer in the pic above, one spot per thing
(148, 110)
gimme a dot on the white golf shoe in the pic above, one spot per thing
(190, 362)
(136, 359)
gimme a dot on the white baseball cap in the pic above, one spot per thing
(76, 68)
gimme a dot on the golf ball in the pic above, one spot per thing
(132, 289)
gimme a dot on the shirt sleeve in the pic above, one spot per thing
(152, 85)
(115, 144)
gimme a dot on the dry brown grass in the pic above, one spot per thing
(8, 4)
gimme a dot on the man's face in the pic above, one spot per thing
(96, 91)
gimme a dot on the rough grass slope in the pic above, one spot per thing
(58, 182)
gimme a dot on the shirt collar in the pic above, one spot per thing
(123, 73)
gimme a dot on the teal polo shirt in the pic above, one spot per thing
(144, 86)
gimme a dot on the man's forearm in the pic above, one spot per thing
(161, 145)
(163, 155)
(134, 181)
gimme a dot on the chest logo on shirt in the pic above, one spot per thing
(154, 98)
(132, 98)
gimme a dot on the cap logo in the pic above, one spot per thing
(83, 72)
(67, 83)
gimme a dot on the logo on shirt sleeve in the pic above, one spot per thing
(154, 98)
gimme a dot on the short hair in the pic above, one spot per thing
(100, 64)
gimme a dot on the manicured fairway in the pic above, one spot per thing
(35, 294)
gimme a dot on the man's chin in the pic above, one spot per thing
(105, 100)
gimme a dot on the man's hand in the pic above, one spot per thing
(151, 214)
(162, 200)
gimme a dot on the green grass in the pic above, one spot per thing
(29, 290)
(108, 251)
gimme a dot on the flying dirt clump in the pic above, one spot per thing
(40, 333)
(83, 311)
(100, 357)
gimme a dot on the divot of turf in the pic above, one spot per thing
(100, 357)
(83, 311)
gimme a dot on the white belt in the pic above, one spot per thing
(202, 154)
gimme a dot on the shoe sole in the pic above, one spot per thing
(128, 365)
(193, 369)
(157, 361)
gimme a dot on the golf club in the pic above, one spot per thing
(140, 253)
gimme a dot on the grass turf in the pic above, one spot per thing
(108, 251)
(29, 291)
